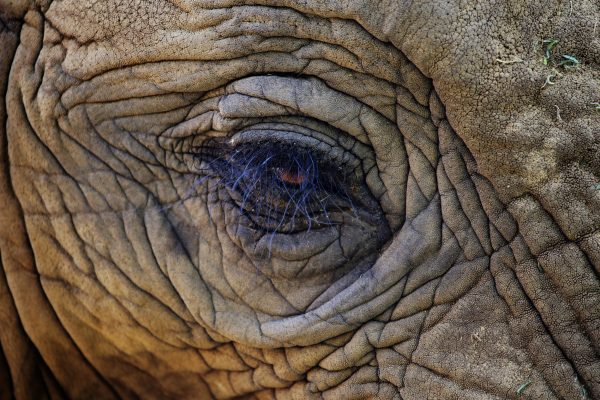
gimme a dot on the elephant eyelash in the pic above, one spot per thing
(282, 187)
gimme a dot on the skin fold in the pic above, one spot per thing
(448, 246)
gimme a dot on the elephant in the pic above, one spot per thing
(316, 199)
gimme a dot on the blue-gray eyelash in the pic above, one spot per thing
(253, 172)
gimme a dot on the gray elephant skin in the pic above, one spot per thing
(316, 199)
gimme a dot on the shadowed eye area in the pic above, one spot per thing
(285, 187)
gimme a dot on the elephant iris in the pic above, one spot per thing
(290, 176)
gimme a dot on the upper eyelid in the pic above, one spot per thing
(311, 97)
(326, 146)
(327, 152)
(273, 96)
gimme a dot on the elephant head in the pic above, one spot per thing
(281, 199)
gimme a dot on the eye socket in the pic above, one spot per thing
(287, 186)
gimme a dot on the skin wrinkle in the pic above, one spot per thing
(563, 390)
(177, 310)
(85, 368)
(478, 384)
(354, 312)
(296, 33)
(141, 323)
(565, 335)
(471, 225)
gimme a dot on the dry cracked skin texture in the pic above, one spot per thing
(133, 268)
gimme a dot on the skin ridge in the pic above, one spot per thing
(31, 376)
(9, 31)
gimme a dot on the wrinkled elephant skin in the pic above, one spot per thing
(280, 199)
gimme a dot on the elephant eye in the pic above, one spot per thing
(285, 186)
